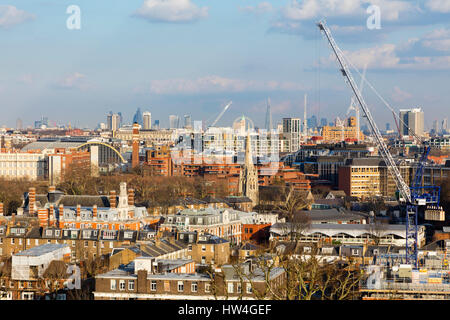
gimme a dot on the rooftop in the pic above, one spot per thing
(42, 249)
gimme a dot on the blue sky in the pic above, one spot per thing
(193, 56)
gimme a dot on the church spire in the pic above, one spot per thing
(248, 177)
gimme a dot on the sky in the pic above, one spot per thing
(194, 56)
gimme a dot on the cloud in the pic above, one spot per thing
(172, 11)
(442, 6)
(349, 18)
(429, 52)
(215, 84)
(11, 16)
(400, 95)
(74, 80)
(438, 40)
(259, 9)
(26, 79)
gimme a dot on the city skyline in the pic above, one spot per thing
(191, 57)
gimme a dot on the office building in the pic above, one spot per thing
(412, 119)
(174, 121)
(147, 119)
(113, 121)
(291, 132)
(187, 121)
(137, 118)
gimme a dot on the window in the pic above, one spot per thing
(207, 287)
(153, 285)
(194, 287)
(355, 252)
(230, 287)
(190, 247)
(27, 295)
(94, 244)
(12, 240)
(239, 288)
(203, 260)
(249, 288)
(111, 244)
(73, 243)
(113, 284)
(180, 286)
(86, 244)
(203, 248)
(131, 285)
(122, 284)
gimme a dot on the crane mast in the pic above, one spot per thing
(387, 157)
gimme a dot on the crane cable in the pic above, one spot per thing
(382, 99)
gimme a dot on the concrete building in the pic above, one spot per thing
(412, 119)
(291, 132)
(113, 121)
(370, 177)
(28, 165)
(343, 132)
(147, 119)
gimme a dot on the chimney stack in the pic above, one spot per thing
(94, 212)
(78, 211)
(51, 212)
(131, 197)
(32, 200)
(112, 199)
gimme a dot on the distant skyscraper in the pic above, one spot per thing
(156, 125)
(138, 117)
(41, 123)
(312, 122)
(444, 125)
(388, 126)
(435, 128)
(113, 121)
(120, 119)
(19, 124)
(412, 119)
(323, 122)
(187, 121)
(174, 121)
(147, 120)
